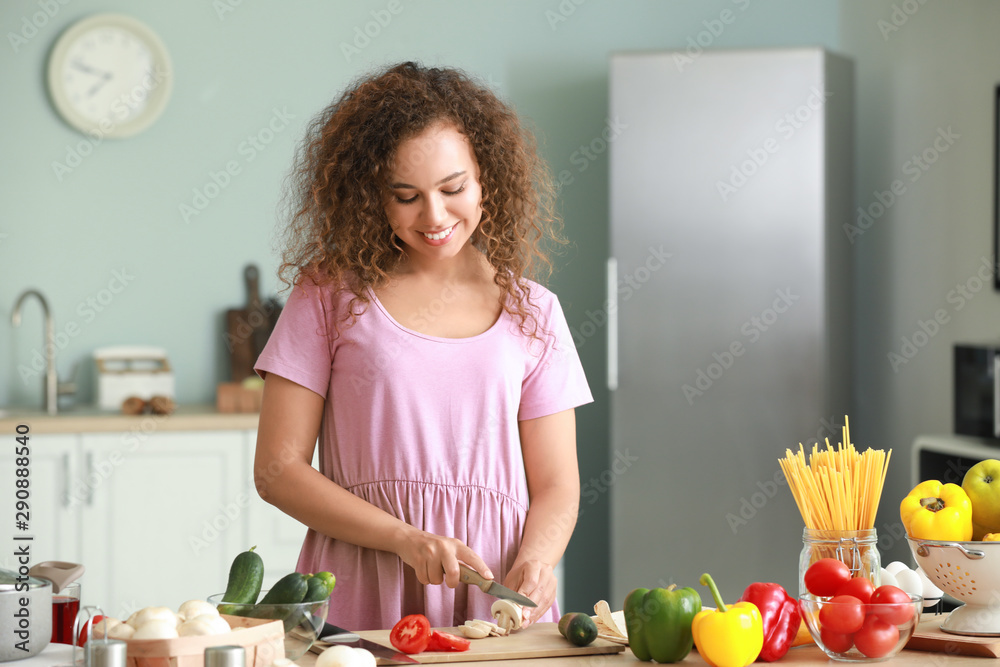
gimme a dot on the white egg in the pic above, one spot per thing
(888, 578)
(147, 614)
(895, 566)
(910, 582)
(156, 630)
(193, 608)
(930, 591)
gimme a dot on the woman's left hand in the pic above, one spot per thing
(536, 580)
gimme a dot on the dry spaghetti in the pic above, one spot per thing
(839, 489)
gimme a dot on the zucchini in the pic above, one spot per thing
(320, 587)
(290, 589)
(578, 628)
(246, 575)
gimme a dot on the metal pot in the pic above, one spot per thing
(27, 601)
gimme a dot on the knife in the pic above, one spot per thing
(333, 634)
(490, 587)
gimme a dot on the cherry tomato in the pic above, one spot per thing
(82, 639)
(859, 587)
(843, 614)
(411, 634)
(835, 641)
(825, 576)
(895, 605)
(876, 638)
(444, 641)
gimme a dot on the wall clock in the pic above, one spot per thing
(109, 76)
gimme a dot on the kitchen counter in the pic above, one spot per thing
(88, 419)
(802, 655)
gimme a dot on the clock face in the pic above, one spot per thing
(109, 75)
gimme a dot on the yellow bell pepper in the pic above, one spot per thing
(730, 636)
(936, 511)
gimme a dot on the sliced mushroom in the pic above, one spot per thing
(507, 614)
(476, 629)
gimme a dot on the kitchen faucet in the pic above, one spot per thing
(53, 387)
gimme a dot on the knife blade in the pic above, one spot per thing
(490, 587)
(333, 634)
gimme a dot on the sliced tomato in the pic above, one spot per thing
(444, 641)
(411, 634)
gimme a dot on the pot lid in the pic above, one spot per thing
(10, 580)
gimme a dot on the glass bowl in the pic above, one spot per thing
(887, 628)
(303, 621)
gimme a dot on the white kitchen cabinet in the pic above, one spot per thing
(163, 516)
(52, 521)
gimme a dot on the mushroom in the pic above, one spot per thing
(507, 614)
(477, 629)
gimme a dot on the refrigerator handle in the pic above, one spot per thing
(612, 289)
(996, 395)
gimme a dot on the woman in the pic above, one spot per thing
(440, 381)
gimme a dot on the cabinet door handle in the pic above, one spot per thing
(612, 289)
(90, 475)
(65, 479)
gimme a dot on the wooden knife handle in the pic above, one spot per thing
(469, 576)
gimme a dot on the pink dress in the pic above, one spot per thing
(425, 428)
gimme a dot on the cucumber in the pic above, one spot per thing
(290, 589)
(320, 587)
(578, 628)
(246, 575)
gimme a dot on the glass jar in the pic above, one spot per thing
(855, 548)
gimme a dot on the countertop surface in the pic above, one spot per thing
(802, 655)
(88, 419)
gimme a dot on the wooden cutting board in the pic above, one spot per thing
(539, 640)
(929, 637)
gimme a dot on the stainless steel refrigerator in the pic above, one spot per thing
(729, 303)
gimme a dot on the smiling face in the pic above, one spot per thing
(435, 203)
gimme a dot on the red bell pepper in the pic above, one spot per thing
(780, 614)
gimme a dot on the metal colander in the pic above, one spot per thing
(970, 573)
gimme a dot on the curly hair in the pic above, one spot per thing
(339, 231)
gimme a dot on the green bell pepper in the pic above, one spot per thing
(658, 622)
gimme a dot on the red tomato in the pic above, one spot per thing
(825, 576)
(843, 614)
(444, 641)
(859, 587)
(82, 639)
(411, 634)
(876, 638)
(895, 605)
(835, 641)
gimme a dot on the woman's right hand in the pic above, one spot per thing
(435, 559)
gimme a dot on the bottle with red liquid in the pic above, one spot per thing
(65, 605)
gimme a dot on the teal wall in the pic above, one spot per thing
(118, 210)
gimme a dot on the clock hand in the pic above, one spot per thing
(90, 70)
(97, 86)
